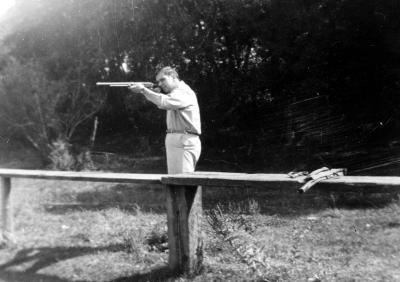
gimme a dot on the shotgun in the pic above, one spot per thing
(125, 84)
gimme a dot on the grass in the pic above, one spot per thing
(82, 231)
(76, 231)
(75, 243)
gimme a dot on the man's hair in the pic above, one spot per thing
(169, 71)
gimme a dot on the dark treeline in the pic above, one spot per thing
(281, 84)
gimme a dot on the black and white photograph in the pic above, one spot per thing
(199, 140)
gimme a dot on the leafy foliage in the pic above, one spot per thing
(40, 110)
(312, 75)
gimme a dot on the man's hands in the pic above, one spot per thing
(137, 88)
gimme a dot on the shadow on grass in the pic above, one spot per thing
(40, 258)
(155, 274)
(271, 199)
(10, 276)
(286, 201)
(128, 197)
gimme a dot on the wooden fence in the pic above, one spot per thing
(184, 200)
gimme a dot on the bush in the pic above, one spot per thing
(63, 157)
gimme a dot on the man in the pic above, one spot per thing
(182, 142)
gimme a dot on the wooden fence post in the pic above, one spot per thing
(6, 211)
(184, 215)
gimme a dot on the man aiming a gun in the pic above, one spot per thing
(182, 141)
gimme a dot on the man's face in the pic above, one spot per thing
(166, 82)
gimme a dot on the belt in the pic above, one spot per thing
(182, 132)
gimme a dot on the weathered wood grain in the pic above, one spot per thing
(7, 224)
(184, 215)
(243, 179)
(83, 176)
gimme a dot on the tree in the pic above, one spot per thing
(320, 74)
(41, 110)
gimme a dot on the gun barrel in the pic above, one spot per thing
(124, 84)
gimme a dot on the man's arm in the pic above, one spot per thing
(176, 100)
(150, 95)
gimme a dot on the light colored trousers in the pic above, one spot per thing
(183, 152)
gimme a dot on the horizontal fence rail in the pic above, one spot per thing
(83, 176)
(244, 179)
(192, 179)
(183, 200)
